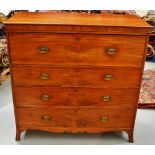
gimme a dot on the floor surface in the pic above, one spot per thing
(144, 128)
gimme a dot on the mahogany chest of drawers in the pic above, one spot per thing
(76, 72)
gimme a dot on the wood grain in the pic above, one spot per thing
(77, 23)
(74, 97)
(121, 77)
(76, 49)
(74, 118)
(139, 31)
(77, 19)
(76, 64)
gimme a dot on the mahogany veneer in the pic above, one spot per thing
(76, 72)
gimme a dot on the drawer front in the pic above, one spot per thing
(49, 96)
(107, 77)
(43, 48)
(107, 97)
(86, 118)
(45, 117)
(44, 96)
(105, 118)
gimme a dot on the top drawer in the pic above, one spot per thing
(83, 49)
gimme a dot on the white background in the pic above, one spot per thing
(78, 4)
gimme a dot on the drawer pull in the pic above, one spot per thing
(108, 77)
(104, 119)
(106, 98)
(46, 117)
(45, 97)
(111, 51)
(44, 76)
(43, 50)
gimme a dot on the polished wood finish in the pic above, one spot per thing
(79, 19)
(76, 72)
(74, 97)
(77, 49)
(77, 23)
(77, 29)
(76, 76)
(68, 118)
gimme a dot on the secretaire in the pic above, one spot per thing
(76, 72)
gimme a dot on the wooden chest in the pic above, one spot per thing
(76, 72)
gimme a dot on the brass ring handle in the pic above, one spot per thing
(108, 77)
(45, 97)
(106, 98)
(46, 117)
(44, 76)
(104, 119)
(111, 51)
(43, 50)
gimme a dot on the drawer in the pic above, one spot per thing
(107, 77)
(84, 118)
(45, 117)
(49, 97)
(105, 118)
(107, 97)
(86, 49)
(44, 96)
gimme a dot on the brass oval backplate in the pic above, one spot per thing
(44, 76)
(43, 50)
(108, 77)
(104, 119)
(46, 117)
(111, 51)
(45, 97)
(106, 98)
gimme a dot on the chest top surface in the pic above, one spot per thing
(77, 23)
(77, 19)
